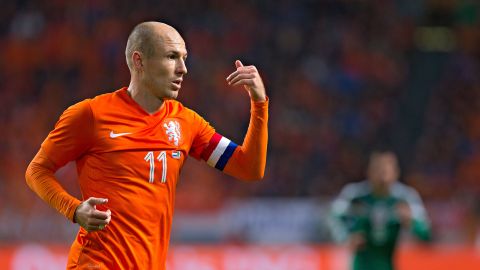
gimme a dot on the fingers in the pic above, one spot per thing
(238, 64)
(243, 70)
(93, 228)
(109, 217)
(357, 241)
(96, 224)
(96, 201)
(100, 214)
(247, 82)
(239, 77)
(249, 77)
(91, 219)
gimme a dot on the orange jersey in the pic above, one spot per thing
(134, 159)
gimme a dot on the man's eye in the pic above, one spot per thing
(172, 56)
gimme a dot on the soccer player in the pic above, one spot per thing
(129, 147)
(371, 214)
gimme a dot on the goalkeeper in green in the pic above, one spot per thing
(371, 214)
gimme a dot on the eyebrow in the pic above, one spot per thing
(177, 53)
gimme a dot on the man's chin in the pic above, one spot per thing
(173, 96)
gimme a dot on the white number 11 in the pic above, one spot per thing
(162, 157)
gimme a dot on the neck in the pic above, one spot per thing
(144, 97)
(380, 191)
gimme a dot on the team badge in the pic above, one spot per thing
(172, 129)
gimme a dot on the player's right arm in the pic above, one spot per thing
(71, 137)
(413, 215)
(344, 217)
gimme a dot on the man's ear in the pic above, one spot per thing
(137, 60)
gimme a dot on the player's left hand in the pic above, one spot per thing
(356, 241)
(404, 213)
(249, 77)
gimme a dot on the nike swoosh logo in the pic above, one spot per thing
(115, 135)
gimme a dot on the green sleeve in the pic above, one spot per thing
(421, 229)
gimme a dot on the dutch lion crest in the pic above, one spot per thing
(172, 129)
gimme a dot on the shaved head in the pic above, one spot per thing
(145, 37)
(156, 55)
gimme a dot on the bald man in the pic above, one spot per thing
(129, 147)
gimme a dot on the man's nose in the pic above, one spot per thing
(182, 67)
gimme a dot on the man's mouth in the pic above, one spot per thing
(177, 83)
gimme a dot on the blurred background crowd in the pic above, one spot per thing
(343, 76)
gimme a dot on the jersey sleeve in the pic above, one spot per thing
(72, 135)
(420, 222)
(346, 213)
(210, 146)
(204, 132)
(71, 138)
(40, 177)
(246, 161)
(340, 220)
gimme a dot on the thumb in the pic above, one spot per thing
(238, 64)
(94, 201)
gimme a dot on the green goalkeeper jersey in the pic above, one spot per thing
(357, 210)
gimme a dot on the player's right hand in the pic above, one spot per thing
(91, 219)
(404, 213)
(356, 241)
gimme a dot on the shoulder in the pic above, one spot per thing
(404, 191)
(354, 190)
(80, 109)
(175, 107)
(91, 105)
(348, 195)
(103, 99)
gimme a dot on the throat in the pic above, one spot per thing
(149, 103)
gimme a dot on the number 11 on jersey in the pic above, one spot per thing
(162, 157)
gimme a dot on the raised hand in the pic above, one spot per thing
(249, 77)
(91, 219)
(356, 241)
(404, 213)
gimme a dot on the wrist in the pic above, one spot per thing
(74, 218)
(258, 99)
(406, 222)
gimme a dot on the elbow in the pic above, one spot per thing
(246, 169)
(253, 176)
(258, 176)
(29, 175)
(34, 172)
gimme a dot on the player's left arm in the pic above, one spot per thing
(249, 159)
(414, 215)
(246, 161)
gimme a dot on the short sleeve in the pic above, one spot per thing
(203, 133)
(72, 135)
